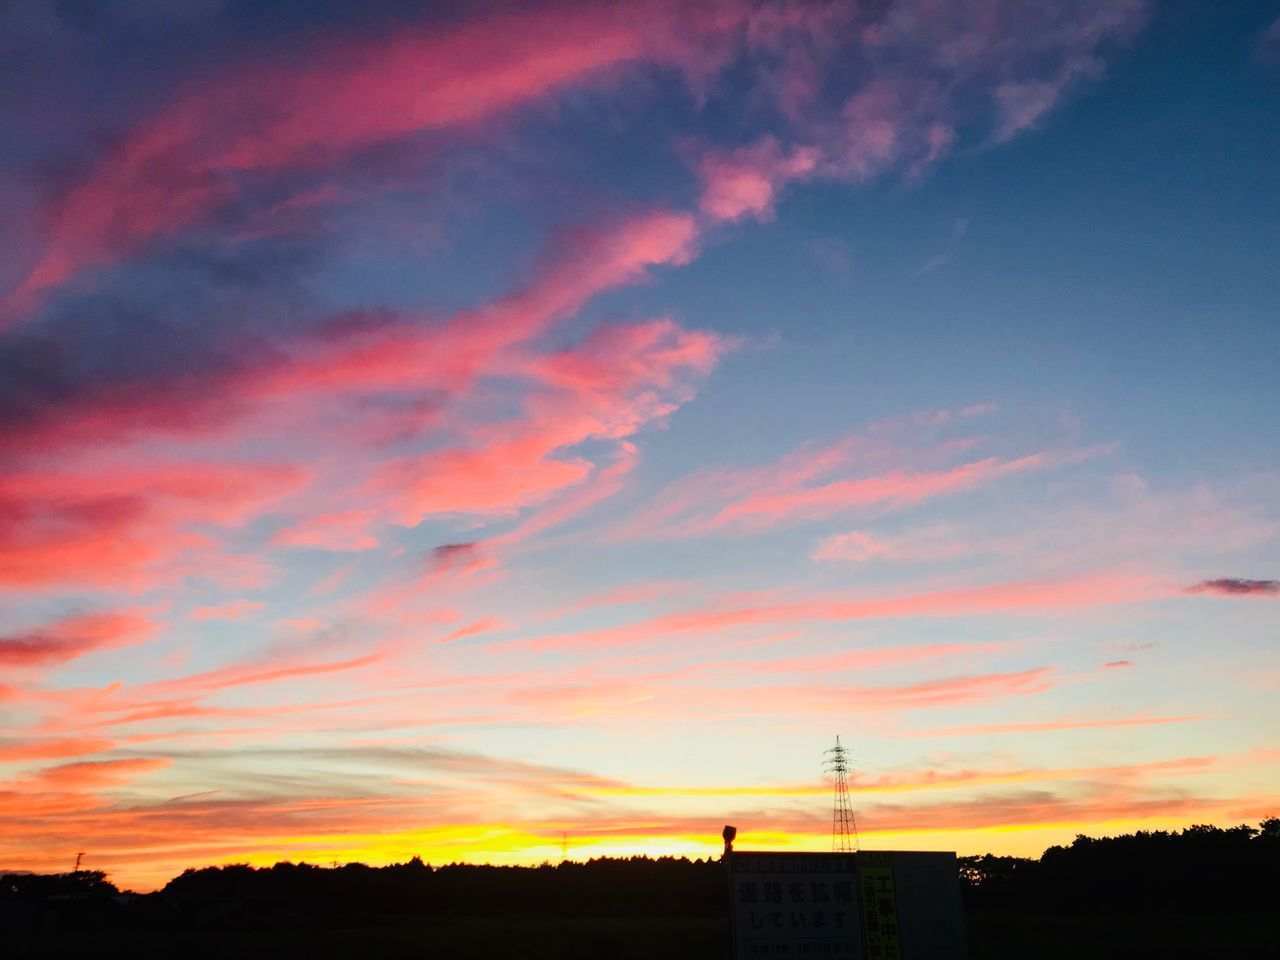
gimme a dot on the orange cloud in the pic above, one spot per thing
(146, 844)
(96, 774)
(17, 751)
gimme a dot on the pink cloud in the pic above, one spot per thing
(498, 479)
(624, 595)
(1047, 726)
(932, 544)
(269, 671)
(326, 101)
(475, 628)
(1118, 520)
(605, 483)
(345, 531)
(73, 637)
(230, 610)
(266, 668)
(815, 483)
(896, 489)
(179, 698)
(619, 357)
(286, 390)
(929, 693)
(392, 356)
(323, 102)
(615, 382)
(225, 492)
(865, 659)
(110, 525)
(743, 182)
(925, 69)
(1069, 593)
(672, 696)
(855, 545)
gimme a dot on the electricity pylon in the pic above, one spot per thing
(844, 829)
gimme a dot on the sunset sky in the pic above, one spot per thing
(442, 428)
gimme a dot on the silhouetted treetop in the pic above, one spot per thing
(1202, 868)
(81, 883)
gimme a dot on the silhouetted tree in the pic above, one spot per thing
(81, 883)
(1202, 868)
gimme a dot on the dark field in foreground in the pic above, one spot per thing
(993, 935)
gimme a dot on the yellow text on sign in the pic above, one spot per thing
(879, 906)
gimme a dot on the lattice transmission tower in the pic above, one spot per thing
(844, 829)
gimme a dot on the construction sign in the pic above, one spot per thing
(795, 905)
(854, 906)
(879, 906)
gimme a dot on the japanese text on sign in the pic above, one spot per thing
(879, 907)
(802, 905)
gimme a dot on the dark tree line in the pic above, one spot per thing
(638, 886)
(35, 886)
(1202, 869)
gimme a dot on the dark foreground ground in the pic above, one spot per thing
(992, 935)
(1201, 894)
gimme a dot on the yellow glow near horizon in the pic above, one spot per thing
(501, 845)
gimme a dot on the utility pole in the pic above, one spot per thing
(79, 857)
(844, 829)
